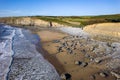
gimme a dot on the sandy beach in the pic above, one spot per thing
(70, 51)
(47, 37)
(64, 62)
(60, 40)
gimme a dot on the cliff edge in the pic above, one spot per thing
(29, 21)
(105, 29)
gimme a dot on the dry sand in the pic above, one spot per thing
(64, 62)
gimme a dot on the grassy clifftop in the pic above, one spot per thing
(81, 20)
(76, 21)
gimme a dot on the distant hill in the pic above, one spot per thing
(75, 21)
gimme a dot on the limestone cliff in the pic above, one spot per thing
(106, 29)
(28, 21)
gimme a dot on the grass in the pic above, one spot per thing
(75, 21)
(83, 20)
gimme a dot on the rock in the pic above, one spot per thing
(87, 56)
(77, 36)
(101, 53)
(113, 47)
(102, 74)
(29, 21)
(55, 41)
(83, 51)
(91, 48)
(97, 60)
(91, 59)
(71, 45)
(84, 64)
(69, 50)
(115, 74)
(64, 44)
(63, 76)
(74, 48)
(78, 62)
(103, 29)
(92, 77)
(60, 49)
(66, 76)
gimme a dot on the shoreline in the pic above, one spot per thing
(64, 62)
(50, 58)
(26, 58)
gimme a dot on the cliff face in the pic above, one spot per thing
(106, 29)
(28, 21)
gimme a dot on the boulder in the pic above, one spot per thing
(102, 74)
(78, 62)
(115, 74)
(97, 60)
(69, 50)
(60, 49)
(92, 77)
(84, 64)
(66, 76)
(87, 55)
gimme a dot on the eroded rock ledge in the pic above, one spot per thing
(28, 21)
(105, 29)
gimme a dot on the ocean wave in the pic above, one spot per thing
(19, 59)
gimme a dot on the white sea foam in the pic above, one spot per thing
(20, 34)
(21, 44)
(6, 53)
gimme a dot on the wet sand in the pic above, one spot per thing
(46, 37)
(52, 59)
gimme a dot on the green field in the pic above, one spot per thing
(80, 20)
(76, 21)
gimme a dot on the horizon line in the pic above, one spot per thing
(59, 15)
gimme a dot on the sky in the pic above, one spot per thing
(58, 7)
